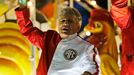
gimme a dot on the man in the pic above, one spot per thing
(63, 53)
(124, 17)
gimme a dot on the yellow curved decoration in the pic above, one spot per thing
(5, 71)
(9, 25)
(12, 33)
(11, 29)
(15, 41)
(18, 55)
(3, 8)
(14, 48)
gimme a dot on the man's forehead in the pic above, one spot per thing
(67, 16)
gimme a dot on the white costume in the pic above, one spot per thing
(73, 56)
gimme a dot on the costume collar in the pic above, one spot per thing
(70, 37)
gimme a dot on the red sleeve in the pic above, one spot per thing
(121, 13)
(33, 34)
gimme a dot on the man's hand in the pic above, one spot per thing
(24, 9)
(86, 73)
(23, 2)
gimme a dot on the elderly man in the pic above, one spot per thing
(63, 53)
(124, 17)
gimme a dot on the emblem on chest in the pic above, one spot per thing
(70, 54)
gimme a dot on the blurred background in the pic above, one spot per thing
(19, 57)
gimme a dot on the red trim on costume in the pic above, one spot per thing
(97, 67)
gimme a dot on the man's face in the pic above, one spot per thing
(68, 25)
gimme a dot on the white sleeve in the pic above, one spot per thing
(93, 57)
